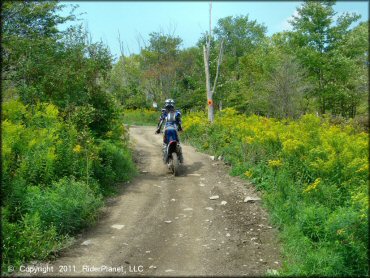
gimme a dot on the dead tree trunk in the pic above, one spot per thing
(208, 84)
(206, 54)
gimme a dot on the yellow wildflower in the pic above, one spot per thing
(77, 149)
(340, 231)
(365, 168)
(32, 143)
(249, 139)
(248, 174)
(313, 185)
(275, 163)
(291, 145)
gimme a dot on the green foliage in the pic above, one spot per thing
(115, 164)
(321, 47)
(141, 117)
(106, 113)
(37, 144)
(314, 176)
(163, 45)
(318, 67)
(51, 169)
(160, 65)
(67, 205)
(27, 240)
(61, 127)
(125, 82)
(240, 34)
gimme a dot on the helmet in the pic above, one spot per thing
(169, 103)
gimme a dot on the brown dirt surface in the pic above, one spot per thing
(160, 225)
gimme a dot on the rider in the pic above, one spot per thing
(172, 119)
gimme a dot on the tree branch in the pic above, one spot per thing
(218, 65)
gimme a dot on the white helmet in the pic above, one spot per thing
(169, 103)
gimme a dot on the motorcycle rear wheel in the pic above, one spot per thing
(175, 164)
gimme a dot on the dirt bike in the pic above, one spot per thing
(171, 152)
(171, 157)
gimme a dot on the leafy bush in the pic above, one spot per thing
(106, 113)
(27, 239)
(54, 171)
(67, 205)
(314, 176)
(115, 164)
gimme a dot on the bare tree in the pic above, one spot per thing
(206, 54)
(121, 47)
(140, 40)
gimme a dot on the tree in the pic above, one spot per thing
(29, 36)
(190, 94)
(286, 87)
(241, 35)
(43, 64)
(160, 65)
(126, 82)
(206, 55)
(317, 41)
(353, 67)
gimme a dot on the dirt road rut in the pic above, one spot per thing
(162, 225)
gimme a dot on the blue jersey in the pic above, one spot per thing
(171, 119)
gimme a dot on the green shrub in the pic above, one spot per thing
(69, 161)
(311, 221)
(67, 205)
(304, 259)
(54, 172)
(115, 164)
(14, 111)
(27, 239)
(106, 111)
(347, 232)
(15, 198)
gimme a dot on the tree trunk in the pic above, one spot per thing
(208, 84)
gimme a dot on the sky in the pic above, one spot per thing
(135, 20)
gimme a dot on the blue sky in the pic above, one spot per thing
(134, 20)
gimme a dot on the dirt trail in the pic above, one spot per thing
(204, 238)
